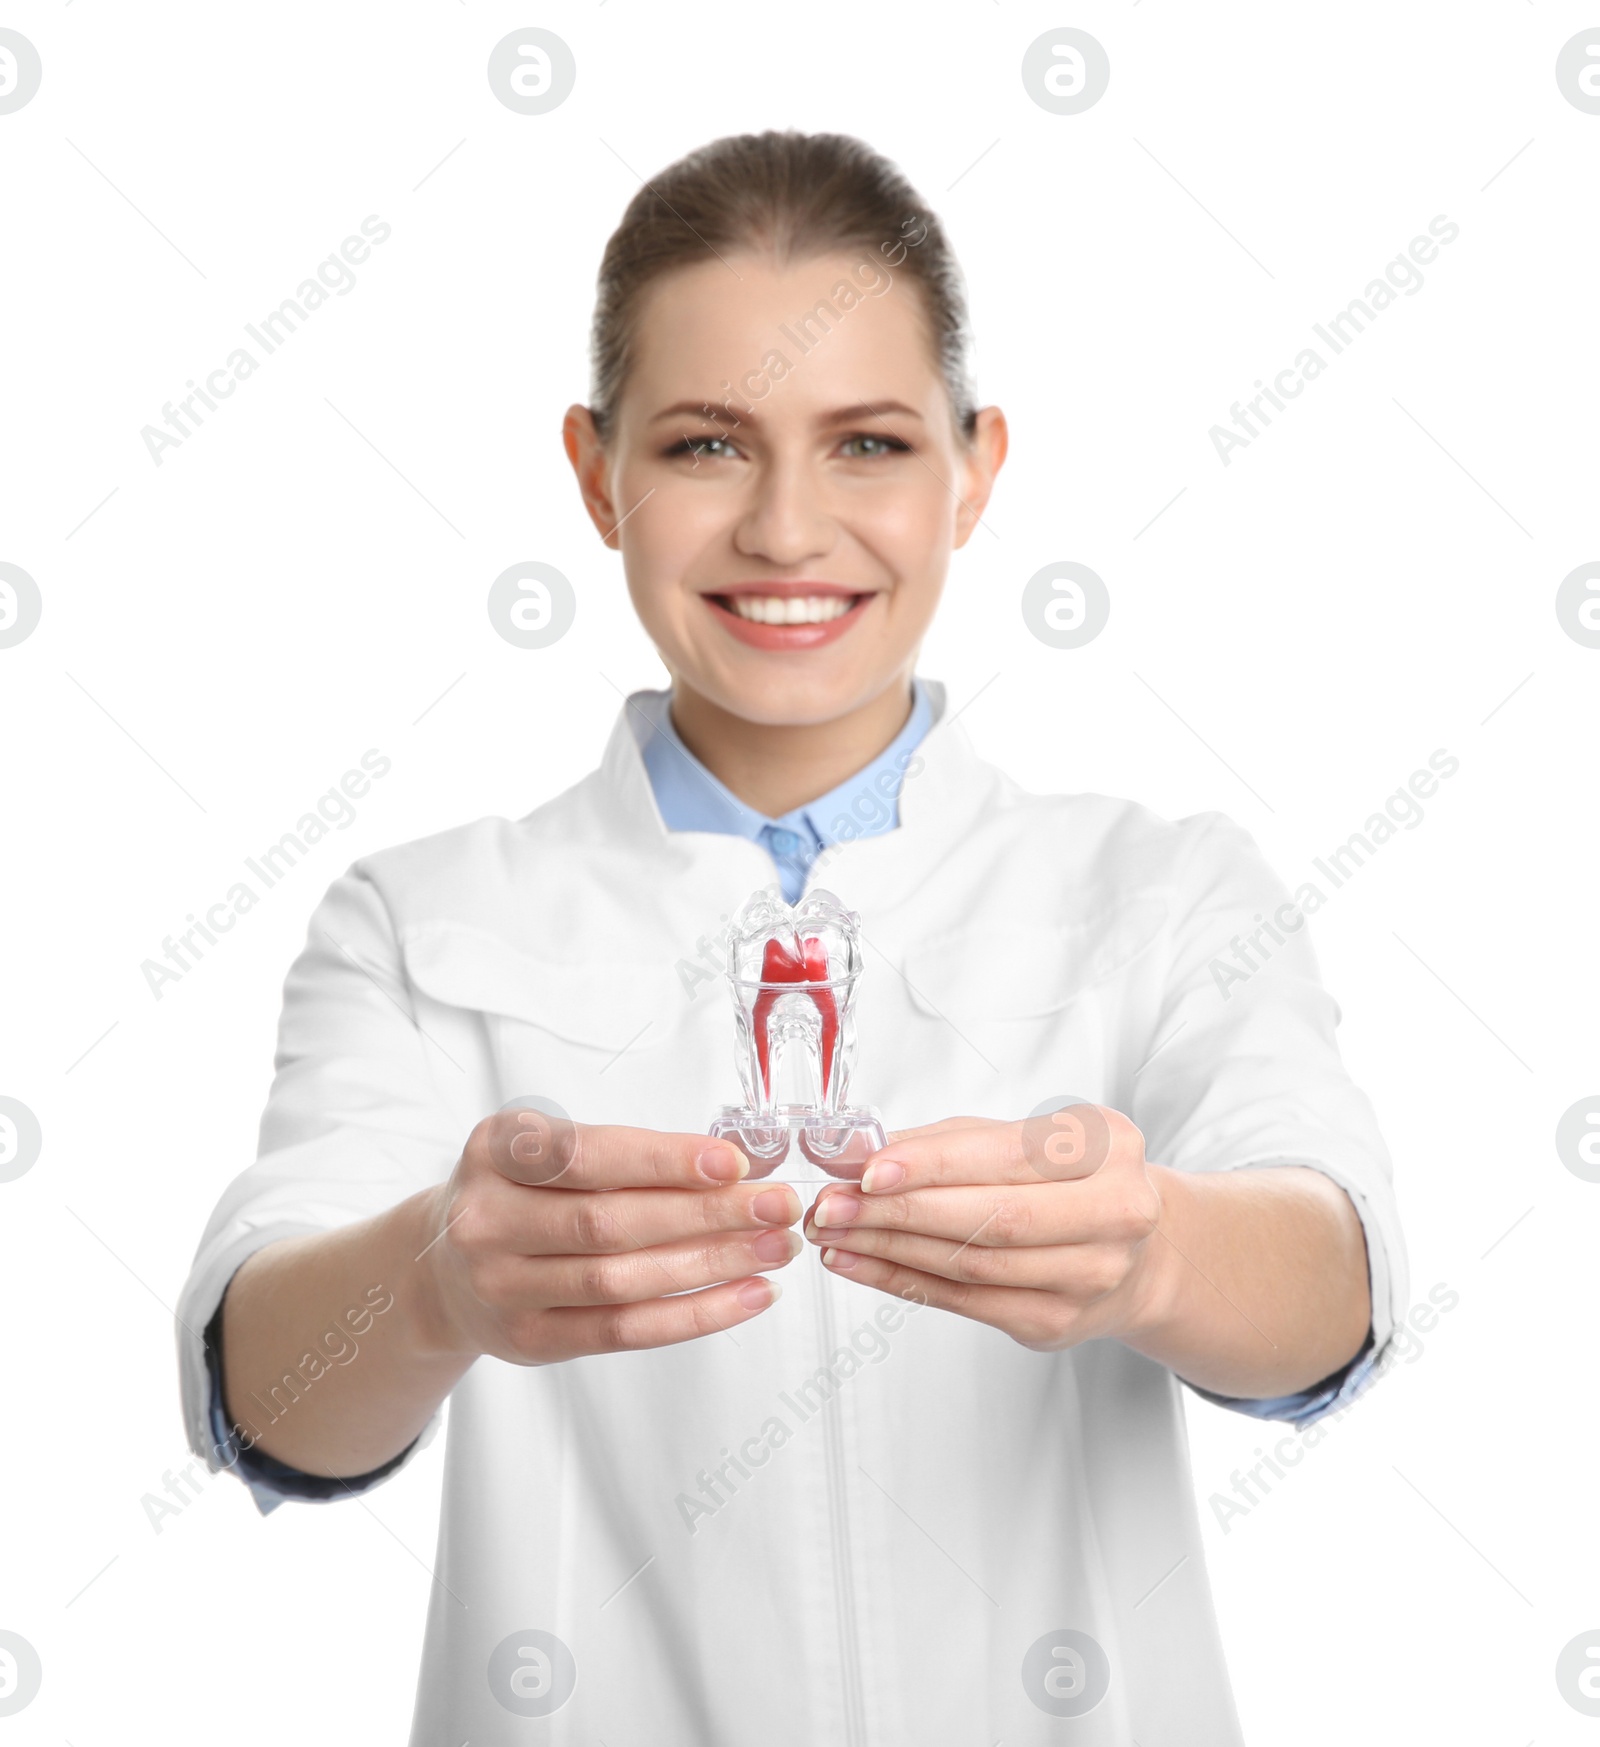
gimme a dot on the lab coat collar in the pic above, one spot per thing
(691, 798)
(946, 787)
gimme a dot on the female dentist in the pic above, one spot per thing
(940, 1492)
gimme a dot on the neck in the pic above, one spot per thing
(775, 768)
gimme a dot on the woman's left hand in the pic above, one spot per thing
(1044, 1228)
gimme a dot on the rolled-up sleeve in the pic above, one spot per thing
(354, 1123)
(1243, 1070)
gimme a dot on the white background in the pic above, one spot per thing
(224, 636)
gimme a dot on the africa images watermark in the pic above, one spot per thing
(1402, 808)
(334, 810)
(1405, 1346)
(1402, 274)
(334, 275)
(335, 1345)
(807, 330)
(869, 1344)
(180, 1489)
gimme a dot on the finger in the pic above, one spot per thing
(554, 1222)
(1060, 1146)
(1036, 1319)
(662, 1322)
(533, 1147)
(943, 1126)
(1124, 1209)
(520, 1283)
(1081, 1273)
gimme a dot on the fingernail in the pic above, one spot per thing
(776, 1246)
(811, 1228)
(776, 1206)
(886, 1174)
(722, 1164)
(837, 1210)
(758, 1294)
(842, 1261)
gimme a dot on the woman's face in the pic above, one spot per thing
(785, 482)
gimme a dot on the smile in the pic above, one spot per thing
(776, 609)
(788, 618)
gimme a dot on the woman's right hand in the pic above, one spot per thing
(553, 1239)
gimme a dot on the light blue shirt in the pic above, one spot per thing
(689, 798)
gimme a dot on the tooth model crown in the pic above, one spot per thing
(807, 974)
(793, 973)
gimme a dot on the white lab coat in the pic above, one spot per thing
(910, 1522)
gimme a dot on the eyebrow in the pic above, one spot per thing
(714, 411)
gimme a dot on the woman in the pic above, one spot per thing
(940, 1493)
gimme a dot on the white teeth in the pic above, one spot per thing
(774, 609)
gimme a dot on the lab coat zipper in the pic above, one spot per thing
(855, 1721)
(851, 1696)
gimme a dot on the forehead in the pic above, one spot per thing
(847, 327)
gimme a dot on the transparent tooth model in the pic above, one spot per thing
(793, 972)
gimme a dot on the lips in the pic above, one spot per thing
(780, 963)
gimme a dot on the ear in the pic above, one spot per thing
(587, 454)
(981, 459)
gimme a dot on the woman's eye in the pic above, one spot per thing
(703, 448)
(865, 446)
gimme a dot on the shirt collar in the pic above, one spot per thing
(689, 798)
(612, 814)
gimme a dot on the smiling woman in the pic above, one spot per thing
(491, 1093)
(756, 532)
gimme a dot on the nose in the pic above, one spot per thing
(786, 521)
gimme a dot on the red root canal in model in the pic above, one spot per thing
(782, 964)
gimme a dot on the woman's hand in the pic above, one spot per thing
(1040, 1228)
(1247, 1282)
(552, 1239)
(549, 1240)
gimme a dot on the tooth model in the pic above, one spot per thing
(793, 973)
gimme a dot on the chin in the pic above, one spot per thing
(791, 692)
